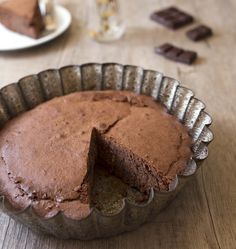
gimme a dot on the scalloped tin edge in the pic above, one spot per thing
(52, 82)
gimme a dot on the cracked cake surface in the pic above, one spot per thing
(48, 153)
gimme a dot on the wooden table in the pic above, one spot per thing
(204, 214)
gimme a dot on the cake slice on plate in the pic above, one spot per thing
(22, 16)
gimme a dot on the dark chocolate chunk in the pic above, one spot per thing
(176, 54)
(187, 57)
(163, 48)
(199, 33)
(173, 53)
(172, 18)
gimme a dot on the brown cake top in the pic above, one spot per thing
(44, 152)
(155, 136)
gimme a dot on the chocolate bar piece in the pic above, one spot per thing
(176, 54)
(172, 18)
(199, 33)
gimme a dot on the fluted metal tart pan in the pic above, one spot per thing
(32, 90)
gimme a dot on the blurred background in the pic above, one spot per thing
(203, 215)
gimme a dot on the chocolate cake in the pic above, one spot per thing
(22, 16)
(48, 154)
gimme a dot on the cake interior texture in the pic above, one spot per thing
(22, 16)
(90, 149)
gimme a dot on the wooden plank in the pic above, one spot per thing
(203, 215)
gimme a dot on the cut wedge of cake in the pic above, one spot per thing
(22, 16)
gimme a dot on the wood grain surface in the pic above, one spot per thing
(204, 214)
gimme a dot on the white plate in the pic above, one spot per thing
(13, 41)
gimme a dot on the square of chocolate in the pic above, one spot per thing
(187, 57)
(199, 33)
(172, 18)
(176, 54)
(163, 48)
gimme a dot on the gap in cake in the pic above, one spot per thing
(119, 174)
(109, 192)
(105, 188)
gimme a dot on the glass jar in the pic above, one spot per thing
(105, 24)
